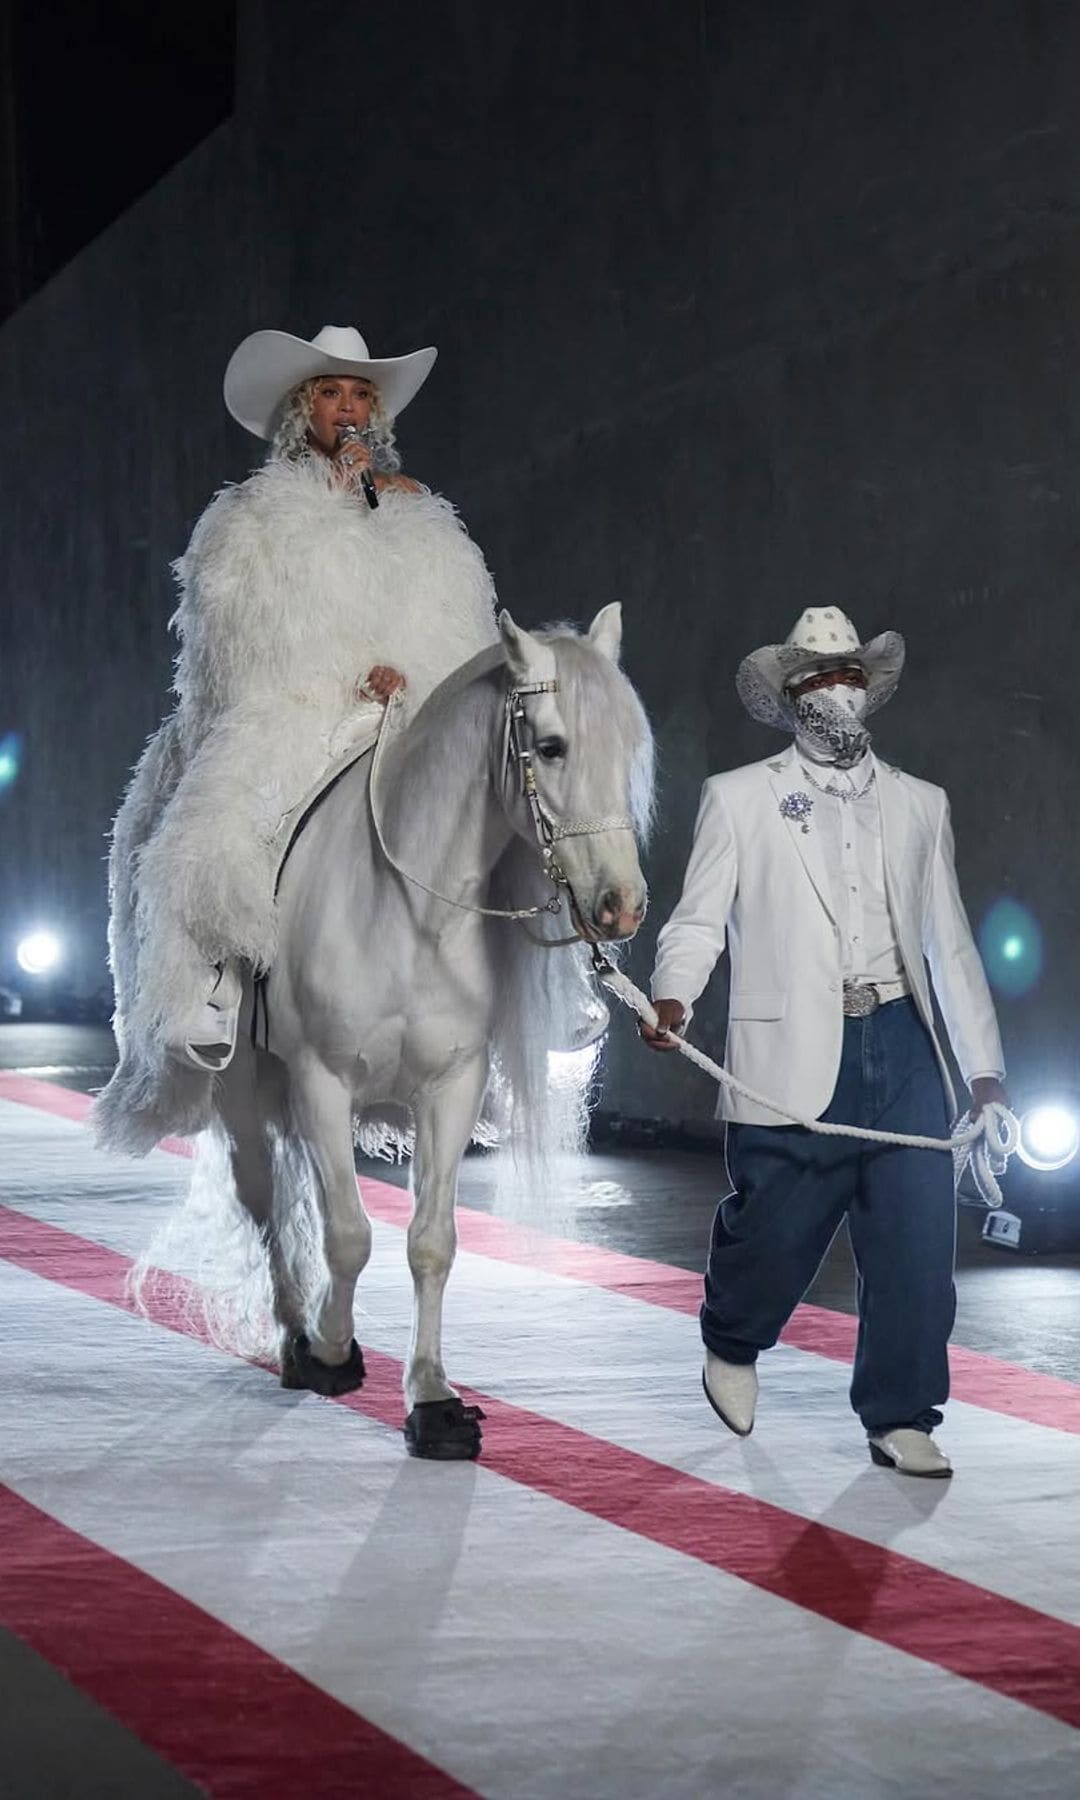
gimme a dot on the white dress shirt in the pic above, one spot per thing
(848, 816)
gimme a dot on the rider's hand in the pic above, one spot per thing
(984, 1090)
(669, 1016)
(380, 683)
(353, 454)
(349, 461)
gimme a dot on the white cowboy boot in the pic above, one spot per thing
(910, 1452)
(211, 1039)
(731, 1390)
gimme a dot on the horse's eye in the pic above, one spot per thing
(551, 749)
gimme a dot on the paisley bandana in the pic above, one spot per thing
(829, 725)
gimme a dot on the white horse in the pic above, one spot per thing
(391, 998)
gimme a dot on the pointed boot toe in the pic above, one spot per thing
(731, 1390)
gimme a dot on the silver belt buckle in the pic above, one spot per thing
(860, 1000)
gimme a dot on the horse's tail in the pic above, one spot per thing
(547, 1007)
(205, 1260)
(218, 1245)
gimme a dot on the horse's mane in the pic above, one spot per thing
(594, 690)
(399, 769)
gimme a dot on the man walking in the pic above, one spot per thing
(830, 877)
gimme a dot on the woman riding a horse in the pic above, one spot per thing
(309, 593)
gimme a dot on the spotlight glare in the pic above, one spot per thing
(1012, 948)
(572, 1068)
(1049, 1137)
(38, 953)
(10, 748)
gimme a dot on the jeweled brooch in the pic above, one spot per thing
(797, 808)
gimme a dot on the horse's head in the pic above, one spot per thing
(585, 736)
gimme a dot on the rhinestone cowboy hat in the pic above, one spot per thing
(823, 638)
(265, 368)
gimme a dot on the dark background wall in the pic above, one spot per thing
(741, 308)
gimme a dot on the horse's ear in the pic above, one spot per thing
(520, 648)
(605, 632)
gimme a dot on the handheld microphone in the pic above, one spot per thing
(351, 434)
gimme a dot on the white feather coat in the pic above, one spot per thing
(291, 590)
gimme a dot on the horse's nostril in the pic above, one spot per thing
(609, 906)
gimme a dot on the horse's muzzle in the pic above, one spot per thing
(618, 913)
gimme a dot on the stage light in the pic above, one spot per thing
(1049, 1136)
(1012, 949)
(10, 757)
(39, 953)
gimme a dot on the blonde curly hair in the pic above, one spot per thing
(291, 443)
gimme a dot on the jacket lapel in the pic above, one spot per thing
(893, 806)
(792, 791)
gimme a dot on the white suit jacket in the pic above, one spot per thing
(757, 881)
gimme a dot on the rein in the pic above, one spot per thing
(517, 754)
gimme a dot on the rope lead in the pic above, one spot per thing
(987, 1141)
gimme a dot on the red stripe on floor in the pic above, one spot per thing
(45, 1096)
(977, 1379)
(225, 1713)
(64, 1103)
(967, 1630)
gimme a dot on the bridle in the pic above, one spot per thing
(517, 755)
(548, 832)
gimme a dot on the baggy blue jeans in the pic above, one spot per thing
(793, 1189)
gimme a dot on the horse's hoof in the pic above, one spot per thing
(444, 1430)
(300, 1369)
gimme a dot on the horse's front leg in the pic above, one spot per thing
(327, 1358)
(438, 1425)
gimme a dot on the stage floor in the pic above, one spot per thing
(209, 1584)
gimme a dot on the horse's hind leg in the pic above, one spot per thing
(327, 1358)
(244, 1106)
(438, 1425)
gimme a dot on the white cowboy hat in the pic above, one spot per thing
(823, 638)
(269, 364)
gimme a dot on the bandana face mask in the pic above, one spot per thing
(829, 725)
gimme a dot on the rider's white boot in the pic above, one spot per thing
(209, 1039)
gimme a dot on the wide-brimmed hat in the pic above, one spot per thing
(265, 368)
(823, 638)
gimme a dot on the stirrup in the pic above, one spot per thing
(210, 1047)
